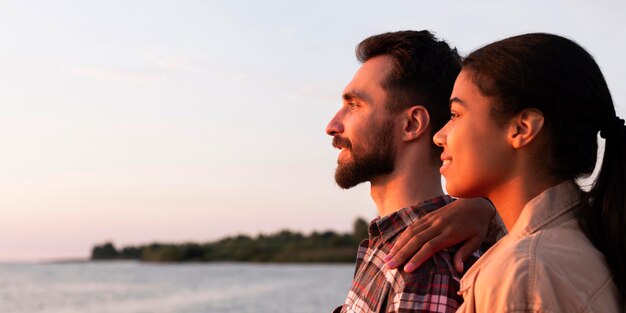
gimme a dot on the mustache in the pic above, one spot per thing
(339, 143)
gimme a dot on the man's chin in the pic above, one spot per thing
(347, 180)
(347, 186)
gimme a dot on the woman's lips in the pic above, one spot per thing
(444, 165)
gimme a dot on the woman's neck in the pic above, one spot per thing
(511, 197)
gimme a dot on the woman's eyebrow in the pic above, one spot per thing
(457, 100)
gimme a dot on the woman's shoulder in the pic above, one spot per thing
(567, 249)
(554, 268)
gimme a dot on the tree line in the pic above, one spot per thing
(281, 247)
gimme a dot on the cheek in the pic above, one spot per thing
(476, 159)
(467, 177)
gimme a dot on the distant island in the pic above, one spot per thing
(282, 247)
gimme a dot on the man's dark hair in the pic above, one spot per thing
(424, 72)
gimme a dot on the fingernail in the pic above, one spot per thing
(409, 267)
(388, 257)
(391, 264)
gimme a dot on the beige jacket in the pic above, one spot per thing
(545, 264)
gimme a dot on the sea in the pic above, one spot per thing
(136, 287)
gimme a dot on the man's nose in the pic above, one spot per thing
(335, 126)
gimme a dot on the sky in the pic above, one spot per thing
(175, 121)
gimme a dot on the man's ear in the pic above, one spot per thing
(416, 122)
(525, 127)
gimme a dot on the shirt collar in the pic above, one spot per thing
(390, 225)
(547, 207)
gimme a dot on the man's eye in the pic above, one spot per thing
(453, 116)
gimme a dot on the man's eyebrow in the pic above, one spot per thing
(457, 100)
(355, 94)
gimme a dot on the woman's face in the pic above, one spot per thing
(476, 152)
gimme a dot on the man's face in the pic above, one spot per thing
(362, 128)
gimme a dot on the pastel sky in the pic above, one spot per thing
(171, 121)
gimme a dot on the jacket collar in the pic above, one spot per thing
(547, 208)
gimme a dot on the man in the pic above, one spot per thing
(392, 107)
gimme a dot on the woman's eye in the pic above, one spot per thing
(453, 116)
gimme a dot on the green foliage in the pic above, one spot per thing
(283, 246)
(131, 253)
(104, 252)
(361, 230)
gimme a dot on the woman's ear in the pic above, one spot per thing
(416, 122)
(525, 127)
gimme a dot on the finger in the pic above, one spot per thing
(407, 235)
(404, 253)
(458, 262)
(426, 252)
(464, 252)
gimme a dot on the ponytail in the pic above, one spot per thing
(561, 79)
(604, 219)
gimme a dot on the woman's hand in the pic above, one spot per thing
(463, 221)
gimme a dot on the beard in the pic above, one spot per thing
(369, 161)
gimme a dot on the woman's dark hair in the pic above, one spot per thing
(558, 77)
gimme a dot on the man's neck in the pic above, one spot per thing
(405, 187)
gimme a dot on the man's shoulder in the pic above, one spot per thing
(433, 287)
(438, 265)
(434, 284)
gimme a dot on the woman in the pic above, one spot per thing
(525, 115)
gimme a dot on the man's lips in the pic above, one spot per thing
(341, 143)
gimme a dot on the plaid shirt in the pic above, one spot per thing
(432, 287)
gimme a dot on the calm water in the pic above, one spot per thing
(138, 287)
